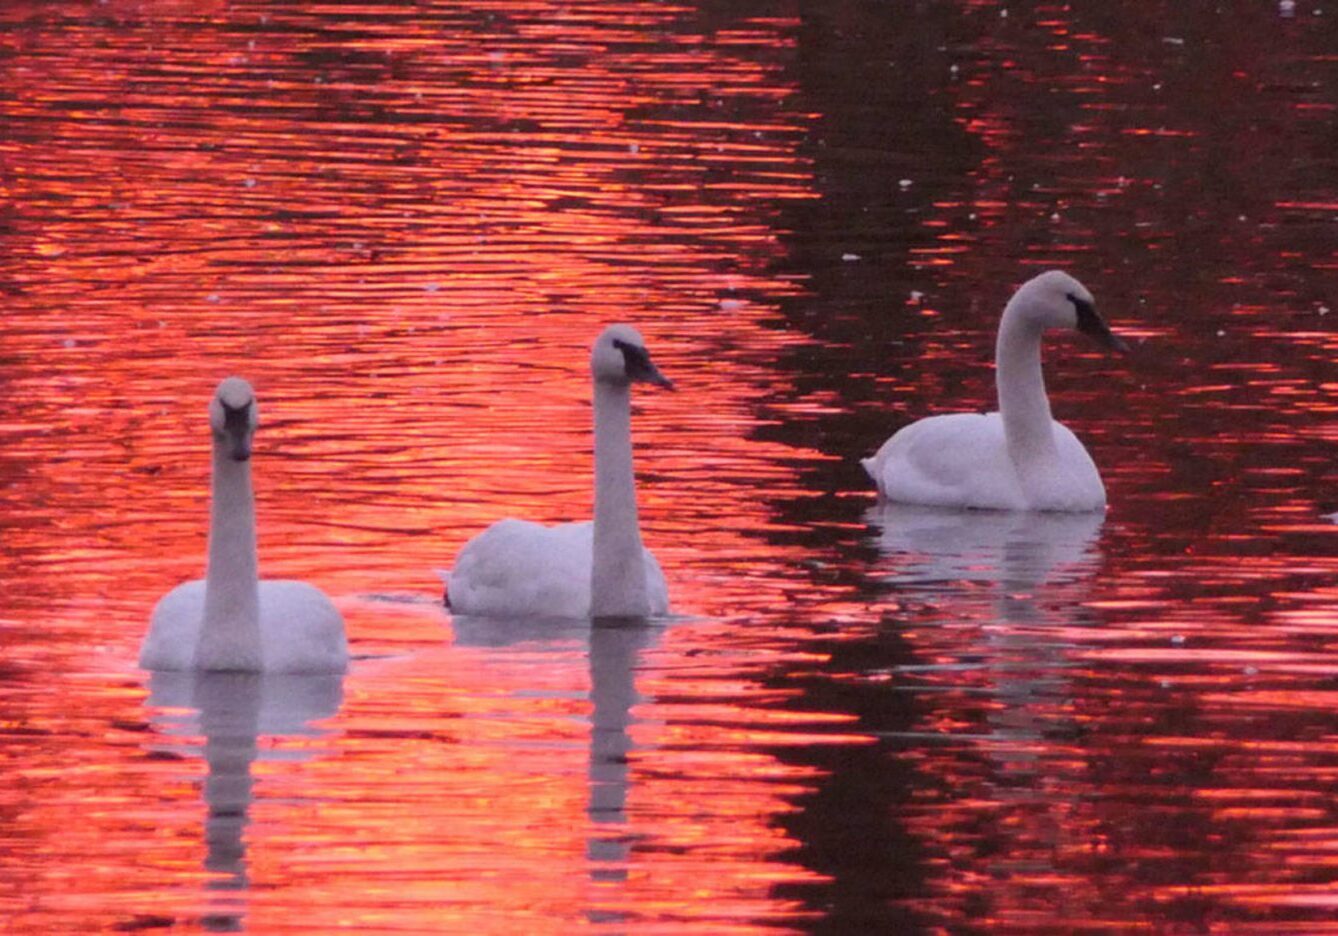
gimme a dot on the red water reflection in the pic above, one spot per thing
(1129, 730)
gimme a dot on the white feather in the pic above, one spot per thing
(301, 631)
(516, 568)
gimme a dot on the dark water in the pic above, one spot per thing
(406, 222)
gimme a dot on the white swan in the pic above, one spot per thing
(230, 620)
(1018, 458)
(576, 570)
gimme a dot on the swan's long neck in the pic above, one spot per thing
(230, 636)
(1022, 401)
(618, 574)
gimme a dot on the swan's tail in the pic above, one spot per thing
(873, 465)
(445, 577)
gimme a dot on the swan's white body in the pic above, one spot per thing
(546, 571)
(1019, 458)
(576, 570)
(230, 620)
(963, 460)
(301, 631)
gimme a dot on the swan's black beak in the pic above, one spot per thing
(237, 430)
(241, 450)
(1090, 323)
(1108, 339)
(655, 377)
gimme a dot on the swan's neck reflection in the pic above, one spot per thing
(614, 653)
(613, 659)
(231, 711)
(229, 707)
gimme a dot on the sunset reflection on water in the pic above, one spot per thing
(406, 224)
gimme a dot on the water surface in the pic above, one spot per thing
(405, 223)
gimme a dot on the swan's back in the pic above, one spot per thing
(516, 568)
(962, 460)
(301, 631)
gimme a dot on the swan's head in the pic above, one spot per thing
(1056, 300)
(233, 418)
(620, 358)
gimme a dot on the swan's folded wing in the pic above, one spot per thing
(957, 460)
(517, 568)
(174, 629)
(301, 629)
(657, 590)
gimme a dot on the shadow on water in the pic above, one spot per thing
(232, 711)
(614, 651)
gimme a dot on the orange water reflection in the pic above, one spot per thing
(406, 229)
(406, 223)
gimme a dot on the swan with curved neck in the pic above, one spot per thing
(231, 620)
(577, 570)
(1018, 458)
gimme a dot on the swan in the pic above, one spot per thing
(230, 620)
(516, 568)
(1018, 458)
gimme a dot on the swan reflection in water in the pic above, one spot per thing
(615, 648)
(994, 598)
(231, 711)
(1012, 549)
(1003, 585)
